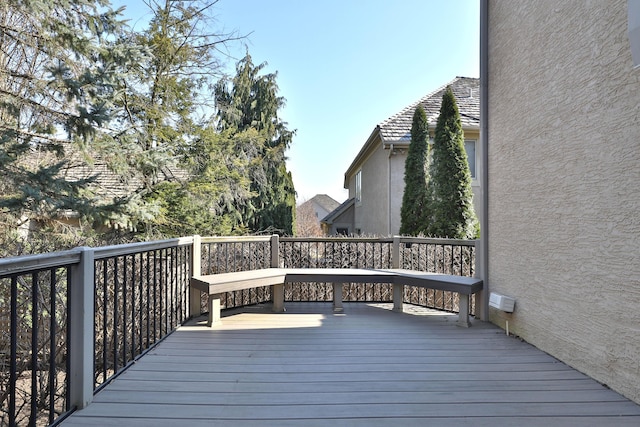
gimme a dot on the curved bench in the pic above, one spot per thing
(216, 284)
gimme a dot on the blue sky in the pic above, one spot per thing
(346, 65)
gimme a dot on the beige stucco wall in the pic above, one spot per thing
(371, 213)
(396, 188)
(564, 182)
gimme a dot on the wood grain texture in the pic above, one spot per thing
(367, 366)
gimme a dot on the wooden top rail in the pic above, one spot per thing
(215, 284)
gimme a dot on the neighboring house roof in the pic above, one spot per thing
(324, 201)
(112, 185)
(397, 128)
(467, 93)
(338, 211)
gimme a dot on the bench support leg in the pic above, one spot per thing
(195, 301)
(463, 314)
(398, 297)
(214, 310)
(277, 292)
(337, 298)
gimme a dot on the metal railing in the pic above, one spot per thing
(229, 254)
(447, 256)
(71, 321)
(141, 295)
(34, 350)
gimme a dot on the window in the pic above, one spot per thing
(359, 186)
(470, 148)
(342, 231)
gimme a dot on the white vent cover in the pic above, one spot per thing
(501, 302)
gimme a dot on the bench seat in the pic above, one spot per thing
(216, 284)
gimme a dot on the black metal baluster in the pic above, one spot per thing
(67, 394)
(124, 310)
(53, 378)
(180, 282)
(148, 303)
(105, 310)
(34, 349)
(14, 351)
(155, 296)
(174, 287)
(162, 294)
(116, 313)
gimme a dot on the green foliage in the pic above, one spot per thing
(415, 210)
(81, 92)
(252, 103)
(208, 203)
(58, 70)
(162, 105)
(450, 186)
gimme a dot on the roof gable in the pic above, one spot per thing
(332, 216)
(324, 201)
(467, 93)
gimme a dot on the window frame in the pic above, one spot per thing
(358, 187)
(474, 171)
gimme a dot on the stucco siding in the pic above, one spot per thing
(396, 188)
(371, 212)
(564, 175)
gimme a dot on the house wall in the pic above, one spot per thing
(342, 221)
(396, 188)
(319, 210)
(396, 181)
(371, 212)
(564, 193)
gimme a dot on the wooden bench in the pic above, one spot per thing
(216, 284)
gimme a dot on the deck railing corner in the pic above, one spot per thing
(80, 325)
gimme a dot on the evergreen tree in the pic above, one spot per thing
(252, 103)
(163, 118)
(414, 213)
(59, 63)
(206, 203)
(450, 189)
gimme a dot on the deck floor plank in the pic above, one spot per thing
(367, 367)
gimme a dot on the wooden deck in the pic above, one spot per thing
(365, 367)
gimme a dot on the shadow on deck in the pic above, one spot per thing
(367, 366)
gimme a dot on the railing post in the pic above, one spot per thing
(395, 255)
(81, 320)
(398, 289)
(277, 291)
(195, 296)
(275, 251)
(196, 256)
(478, 272)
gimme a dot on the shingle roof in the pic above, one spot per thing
(338, 211)
(111, 185)
(326, 202)
(467, 93)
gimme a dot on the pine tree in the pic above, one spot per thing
(163, 106)
(414, 213)
(59, 64)
(450, 189)
(252, 102)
